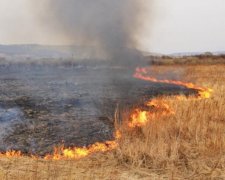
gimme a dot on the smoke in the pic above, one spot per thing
(111, 26)
(75, 98)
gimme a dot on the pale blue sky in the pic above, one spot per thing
(177, 26)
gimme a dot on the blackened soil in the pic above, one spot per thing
(42, 106)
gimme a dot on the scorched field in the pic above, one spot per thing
(170, 126)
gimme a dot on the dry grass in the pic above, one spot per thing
(187, 145)
(190, 144)
(201, 59)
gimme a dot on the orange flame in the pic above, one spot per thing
(155, 108)
(77, 153)
(142, 73)
(140, 117)
(11, 153)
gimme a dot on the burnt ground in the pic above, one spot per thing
(42, 106)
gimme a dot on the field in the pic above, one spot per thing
(190, 144)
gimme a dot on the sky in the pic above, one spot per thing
(173, 26)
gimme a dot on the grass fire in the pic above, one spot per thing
(164, 134)
(157, 108)
(112, 89)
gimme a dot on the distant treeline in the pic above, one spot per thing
(206, 58)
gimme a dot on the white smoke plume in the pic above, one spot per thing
(111, 26)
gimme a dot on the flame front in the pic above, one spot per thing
(154, 108)
(12, 153)
(138, 118)
(142, 73)
(158, 107)
(77, 153)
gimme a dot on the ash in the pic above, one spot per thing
(45, 105)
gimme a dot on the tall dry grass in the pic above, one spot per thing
(187, 145)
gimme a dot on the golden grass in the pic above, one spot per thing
(190, 144)
(202, 59)
(187, 145)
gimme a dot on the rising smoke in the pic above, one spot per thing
(71, 97)
(111, 26)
